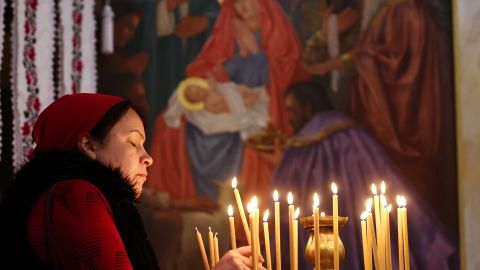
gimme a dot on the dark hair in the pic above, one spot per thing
(310, 94)
(109, 119)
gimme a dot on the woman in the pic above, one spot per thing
(73, 204)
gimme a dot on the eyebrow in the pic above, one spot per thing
(137, 131)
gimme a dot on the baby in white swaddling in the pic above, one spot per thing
(216, 107)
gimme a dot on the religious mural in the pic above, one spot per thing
(210, 80)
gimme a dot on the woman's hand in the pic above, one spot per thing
(237, 259)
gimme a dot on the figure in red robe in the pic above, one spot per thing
(252, 44)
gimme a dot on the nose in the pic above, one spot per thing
(146, 159)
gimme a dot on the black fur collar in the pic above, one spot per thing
(42, 172)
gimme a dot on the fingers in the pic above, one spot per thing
(244, 251)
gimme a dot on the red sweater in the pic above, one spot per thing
(83, 232)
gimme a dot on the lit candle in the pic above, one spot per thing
(401, 258)
(378, 226)
(231, 221)
(383, 232)
(267, 240)
(257, 222)
(254, 257)
(383, 225)
(211, 247)
(406, 249)
(388, 247)
(371, 233)
(367, 258)
(202, 250)
(240, 209)
(215, 243)
(322, 214)
(290, 226)
(278, 251)
(316, 230)
(295, 239)
(336, 253)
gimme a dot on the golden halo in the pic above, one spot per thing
(192, 81)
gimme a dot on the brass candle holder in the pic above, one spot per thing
(326, 241)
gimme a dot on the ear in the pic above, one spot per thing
(88, 146)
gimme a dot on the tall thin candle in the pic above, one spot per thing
(388, 243)
(211, 247)
(267, 240)
(367, 257)
(371, 234)
(231, 221)
(257, 223)
(254, 257)
(336, 253)
(295, 238)
(378, 226)
(278, 251)
(406, 249)
(202, 250)
(238, 199)
(401, 258)
(316, 229)
(215, 243)
(290, 226)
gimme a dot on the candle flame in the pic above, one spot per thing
(389, 208)
(374, 189)
(383, 187)
(249, 207)
(297, 213)
(401, 201)
(383, 200)
(322, 214)
(368, 205)
(230, 210)
(316, 200)
(334, 189)
(210, 229)
(215, 236)
(265, 216)
(363, 216)
(197, 230)
(254, 202)
(234, 182)
(290, 198)
(275, 195)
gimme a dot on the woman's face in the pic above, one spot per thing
(123, 148)
(246, 9)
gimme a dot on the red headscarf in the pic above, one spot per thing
(279, 43)
(67, 120)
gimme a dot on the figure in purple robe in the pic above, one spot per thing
(329, 146)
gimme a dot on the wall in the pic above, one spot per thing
(467, 55)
